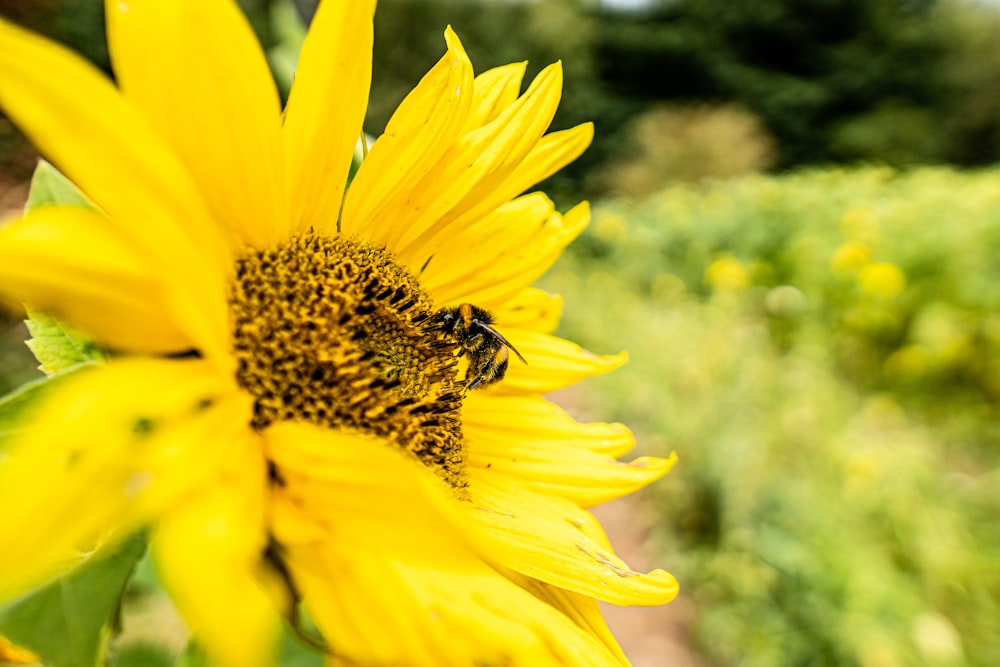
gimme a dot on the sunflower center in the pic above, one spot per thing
(333, 332)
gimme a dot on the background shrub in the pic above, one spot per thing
(821, 350)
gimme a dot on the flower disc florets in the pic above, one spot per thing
(333, 332)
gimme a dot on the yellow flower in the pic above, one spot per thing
(882, 280)
(727, 274)
(290, 397)
(849, 258)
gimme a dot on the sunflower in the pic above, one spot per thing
(303, 401)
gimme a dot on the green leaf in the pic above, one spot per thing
(57, 347)
(16, 407)
(296, 654)
(49, 186)
(67, 622)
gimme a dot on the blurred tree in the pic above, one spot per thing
(972, 73)
(804, 66)
(79, 24)
(898, 81)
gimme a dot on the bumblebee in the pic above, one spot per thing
(486, 348)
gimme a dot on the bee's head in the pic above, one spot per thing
(448, 319)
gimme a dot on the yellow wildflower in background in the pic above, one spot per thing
(849, 258)
(727, 274)
(285, 403)
(882, 280)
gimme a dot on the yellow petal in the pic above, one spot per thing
(12, 654)
(325, 111)
(74, 264)
(110, 449)
(552, 152)
(196, 71)
(328, 475)
(208, 552)
(483, 246)
(495, 90)
(452, 611)
(584, 479)
(471, 169)
(581, 609)
(522, 125)
(509, 450)
(77, 118)
(531, 309)
(555, 541)
(553, 363)
(501, 276)
(378, 575)
(543, 421)
(424, 126)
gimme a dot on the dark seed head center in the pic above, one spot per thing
(333, 332)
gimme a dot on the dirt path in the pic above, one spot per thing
(650, 636)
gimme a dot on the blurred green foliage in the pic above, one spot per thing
(17, 365)
(822, 351)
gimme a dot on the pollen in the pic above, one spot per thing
(334, 332)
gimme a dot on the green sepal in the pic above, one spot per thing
(57, 347)
(54, 345)
(68, 622)
(294, 653)
(50, 187)
(16, 407)
(365, 142)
